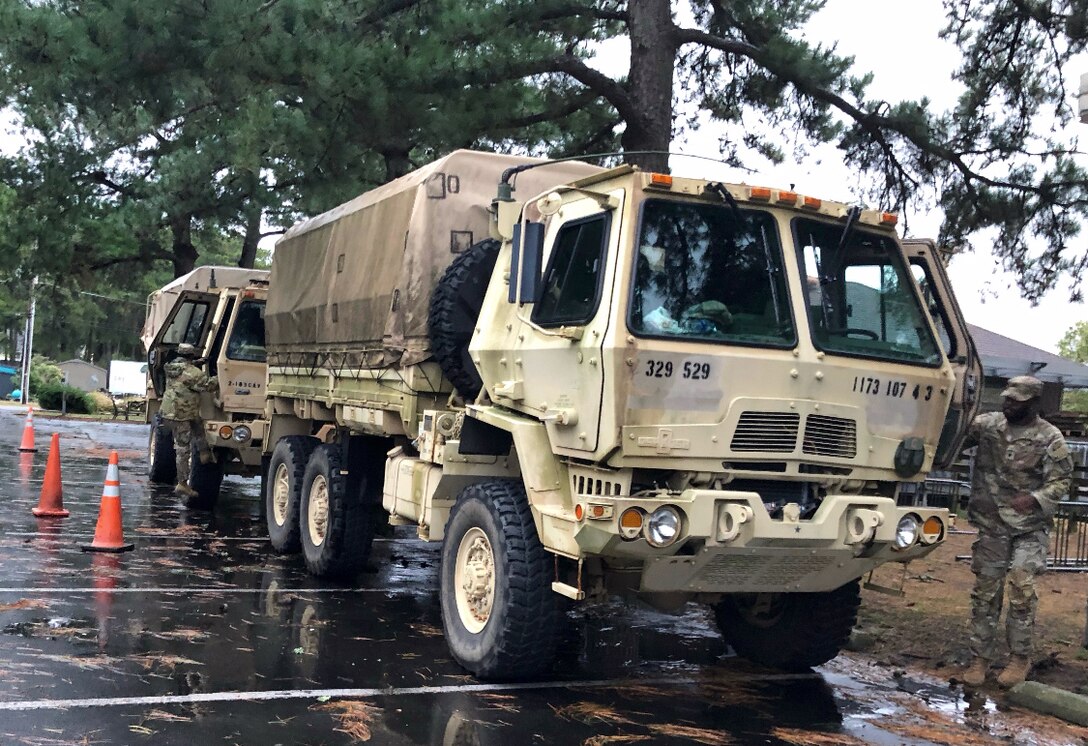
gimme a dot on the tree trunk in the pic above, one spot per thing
(185, 254)
(397, 163)
(653, 56)
(252, 237)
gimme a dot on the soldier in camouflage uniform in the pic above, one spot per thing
(181, 413)
(1022, 469)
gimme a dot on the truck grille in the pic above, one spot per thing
(766, 431)
(830, 436)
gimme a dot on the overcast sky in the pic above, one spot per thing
(899, 45)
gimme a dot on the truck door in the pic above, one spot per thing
(190, 321)
(559, 345)
(242, 357)
(928, 270)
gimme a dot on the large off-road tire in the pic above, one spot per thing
(206, 479)
(161, 463)
(337, 524)
(283, 491)
(789, 631)
(455, 310)
(498, 608)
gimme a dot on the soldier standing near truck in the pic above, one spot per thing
(181, 413)
(1022, 469)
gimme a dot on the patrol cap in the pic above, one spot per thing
(1022, 388)
(186, 350)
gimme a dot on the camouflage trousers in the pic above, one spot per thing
(999, 558)
(187, 435)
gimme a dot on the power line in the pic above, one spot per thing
(110, 297)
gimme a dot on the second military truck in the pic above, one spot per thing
(220, 311)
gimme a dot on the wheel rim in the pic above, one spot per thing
(281, 494)
(317, 510)
(474, 580)
(762, 609)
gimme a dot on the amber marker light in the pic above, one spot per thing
(225, 432)
(889, 218)
(812, 203)
(661, 180)
(762, 194)
(631, 523)
(932, 530)
(787, 198)
(579, 511)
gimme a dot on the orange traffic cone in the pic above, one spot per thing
(28, 432)
(107, 533)
(51, 503)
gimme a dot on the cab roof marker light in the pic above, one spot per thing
(663, 181)
(787, 198)
(889, 218)
(763, 194)
(811, 203)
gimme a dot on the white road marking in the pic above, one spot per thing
(192, 589)
(280, 694)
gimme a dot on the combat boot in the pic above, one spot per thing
(185, 490)
(975, 674)
(1015, 672)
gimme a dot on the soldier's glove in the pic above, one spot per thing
(1024, 503)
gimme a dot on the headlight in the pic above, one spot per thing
(906, 533)
(242, 433)
(663, 526)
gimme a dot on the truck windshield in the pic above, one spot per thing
(861, 299)
(709, 272)
(247, 337)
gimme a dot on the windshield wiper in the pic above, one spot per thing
(716, 187)
(852, 216)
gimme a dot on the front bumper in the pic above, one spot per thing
(717, 553)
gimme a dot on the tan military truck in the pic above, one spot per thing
(219, 310)
(617, 383)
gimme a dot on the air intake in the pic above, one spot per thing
(775, 432)
(830, 436)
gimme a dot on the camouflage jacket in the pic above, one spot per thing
(1012, 459)
(184, 382)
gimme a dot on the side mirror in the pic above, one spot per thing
(526, 264)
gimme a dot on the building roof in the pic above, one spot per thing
(1004, 358)
(76, 362)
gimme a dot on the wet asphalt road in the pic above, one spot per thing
(203, 636)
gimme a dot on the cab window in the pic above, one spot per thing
(711, 273)
(187, 326)
(862, 300)
(572, 283)
(247, 337)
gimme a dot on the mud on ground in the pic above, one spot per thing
(927, 628)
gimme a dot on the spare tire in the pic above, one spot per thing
(455, 309)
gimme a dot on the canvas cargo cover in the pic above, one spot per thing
(162, 300)
(356, 282)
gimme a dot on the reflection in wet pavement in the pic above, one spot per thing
(203, 635)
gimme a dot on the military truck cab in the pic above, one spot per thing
(226, 324)
(735, 381)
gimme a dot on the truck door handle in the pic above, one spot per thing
(568, 417)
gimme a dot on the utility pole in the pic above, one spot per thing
(28, 346)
